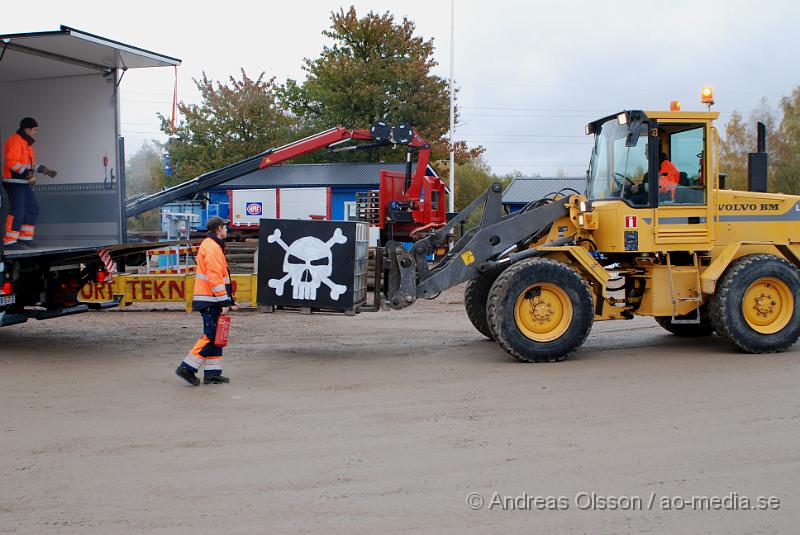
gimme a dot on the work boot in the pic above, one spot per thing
(215, 380)
(187, 376)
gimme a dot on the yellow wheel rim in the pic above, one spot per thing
(768, 305)
(543, 312)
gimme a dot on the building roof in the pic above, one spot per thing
(316, 175)
(523, 190)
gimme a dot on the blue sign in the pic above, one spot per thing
(253, 208)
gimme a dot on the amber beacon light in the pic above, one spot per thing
(707, 96)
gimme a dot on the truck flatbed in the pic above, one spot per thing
(77, 251)
(46, 250)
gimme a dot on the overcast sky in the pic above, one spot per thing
(531, 73)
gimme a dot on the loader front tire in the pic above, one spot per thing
(476, 294)
(756, 306)
(540, 310)
(704, 328)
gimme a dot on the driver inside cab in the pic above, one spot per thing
(668, 178)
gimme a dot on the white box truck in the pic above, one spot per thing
(69, 81)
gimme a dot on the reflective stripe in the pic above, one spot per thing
(210, 298)
(214, 363)
(26, 232)
(193, 361)
(218, 288)
(226, 280)
(16, 167)
(202, 277)
(15, 181)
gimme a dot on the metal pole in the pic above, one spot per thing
(452, 203)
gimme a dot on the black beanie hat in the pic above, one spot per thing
(28, 122)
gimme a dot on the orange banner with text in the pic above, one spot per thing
(162, 289)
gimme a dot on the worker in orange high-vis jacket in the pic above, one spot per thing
(19, 176)
(213, 295)
(668, 177)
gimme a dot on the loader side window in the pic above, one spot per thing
(686, 152)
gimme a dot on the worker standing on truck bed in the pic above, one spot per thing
(18, 181)
(213, 295)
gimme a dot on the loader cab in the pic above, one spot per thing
(673, 197)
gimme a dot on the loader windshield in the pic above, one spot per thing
(618, 171)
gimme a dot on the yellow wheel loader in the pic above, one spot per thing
(655, 234)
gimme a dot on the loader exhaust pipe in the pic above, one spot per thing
(757, 162)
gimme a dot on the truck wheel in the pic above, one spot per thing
(704, 328)
(476, 293)
(757, 304)
(540, 310)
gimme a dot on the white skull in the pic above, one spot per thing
(308, 263)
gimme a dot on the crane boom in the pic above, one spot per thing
(409, 202)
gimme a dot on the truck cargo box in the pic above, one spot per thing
(69, 81)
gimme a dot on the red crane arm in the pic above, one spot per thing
(339, 134)
(422, 196)
(312, 143)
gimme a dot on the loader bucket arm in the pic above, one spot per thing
(408, 275)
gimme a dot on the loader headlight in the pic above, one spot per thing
(585, 206)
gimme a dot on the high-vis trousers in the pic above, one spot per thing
(21, 219)
(204, 351)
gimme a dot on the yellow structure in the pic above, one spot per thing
(656, 225)
(162, 289)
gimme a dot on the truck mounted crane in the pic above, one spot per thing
(410, 203)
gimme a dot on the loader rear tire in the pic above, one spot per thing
(476, 294)
(704, 328)
(756, 306)
(540, 310)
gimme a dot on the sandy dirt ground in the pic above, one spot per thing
(386, 423)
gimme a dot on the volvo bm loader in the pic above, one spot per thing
(697, 257)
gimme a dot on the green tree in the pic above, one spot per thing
(740, 139)
(734, 147)
(785, 149)
(376, 69)
(235, 120)
(472, 179)
(144, 173)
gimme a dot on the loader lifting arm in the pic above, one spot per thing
(482, 249)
